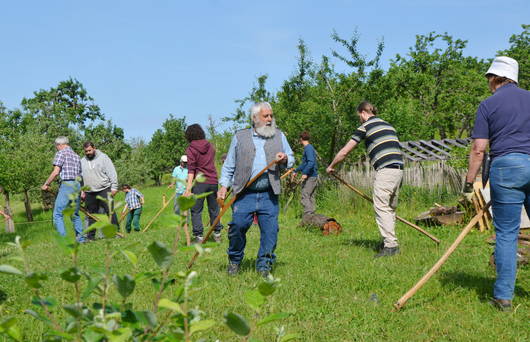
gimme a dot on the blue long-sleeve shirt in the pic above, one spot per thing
(260, 160)
(309, 165)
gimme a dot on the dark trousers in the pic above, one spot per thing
(93, 206)
(213, 207)
(133, 217)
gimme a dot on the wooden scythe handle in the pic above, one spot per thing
(360, 193)
(403, 300)
(225, 208)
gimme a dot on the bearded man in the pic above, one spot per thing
(251, 150)
(100, 176)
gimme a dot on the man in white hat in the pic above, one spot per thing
(503, 123)
(180, 177)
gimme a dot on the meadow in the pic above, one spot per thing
(332, 286)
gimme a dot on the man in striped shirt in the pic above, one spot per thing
(382, 146)
(134, 200)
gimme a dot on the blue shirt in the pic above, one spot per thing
(181, 175)
(309, 165)
(504, 119)
(260, 160)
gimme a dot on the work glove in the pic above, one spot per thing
(467, 192)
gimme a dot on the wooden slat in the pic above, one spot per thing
(439, 150)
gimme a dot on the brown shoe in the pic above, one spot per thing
(502, 304)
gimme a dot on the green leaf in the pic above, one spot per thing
(73, 310)
(267, 287)
(273, 318)
(167, 304)
(186, 203)
(8, 269)
(66, 243)
(37, 316)
(68, 212)
(290, 337)
(237, 323)
(71, 275)
(120, 335)
(146, 318)
(93, 282)
(203, 195)
(48, 301)
(109, 230)
(201, 178)
(255, 299)
(252, 339)
(9, 327)
(160, 253)
(33, 280)
(92, 336)
(124, 284)
(133, 259)
(201, 326)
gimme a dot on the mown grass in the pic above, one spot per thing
(332, 285)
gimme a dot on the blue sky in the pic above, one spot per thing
(142, 60)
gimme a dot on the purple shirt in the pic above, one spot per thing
(504, 119)
(69, 162)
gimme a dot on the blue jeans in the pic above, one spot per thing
(265, 205)
(510, 189)
(62, 202)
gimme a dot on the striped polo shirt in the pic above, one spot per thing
(382, 144)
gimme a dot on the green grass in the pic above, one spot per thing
(333, 286)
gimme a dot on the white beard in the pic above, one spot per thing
(266, 131)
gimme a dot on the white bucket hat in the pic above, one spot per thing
(184, 159)
(505, 67)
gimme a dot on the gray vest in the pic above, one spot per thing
(245, 153)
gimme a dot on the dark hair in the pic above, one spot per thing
(89, 144)
(499, 80)
(305, 136)
(367, 107)
(194, 132)
(125, 186)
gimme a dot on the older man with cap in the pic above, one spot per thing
(251, 150)
(67, 166)
(503, 123)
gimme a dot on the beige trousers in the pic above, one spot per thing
(386, 188)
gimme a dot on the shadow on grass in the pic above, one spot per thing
(370, 244)
(483, 286)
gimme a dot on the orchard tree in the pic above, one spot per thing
(166, 146)
(62, 110)
(134, 166)
(108, 138)
(520, 50)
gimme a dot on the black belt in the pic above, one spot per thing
(394, 166)
(67, 180)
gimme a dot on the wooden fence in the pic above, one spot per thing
(434, 175)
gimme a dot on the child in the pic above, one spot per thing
(134, 200)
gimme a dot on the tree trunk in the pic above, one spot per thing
(27, 205)
(10, 225)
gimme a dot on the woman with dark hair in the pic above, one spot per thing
(201, 159)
